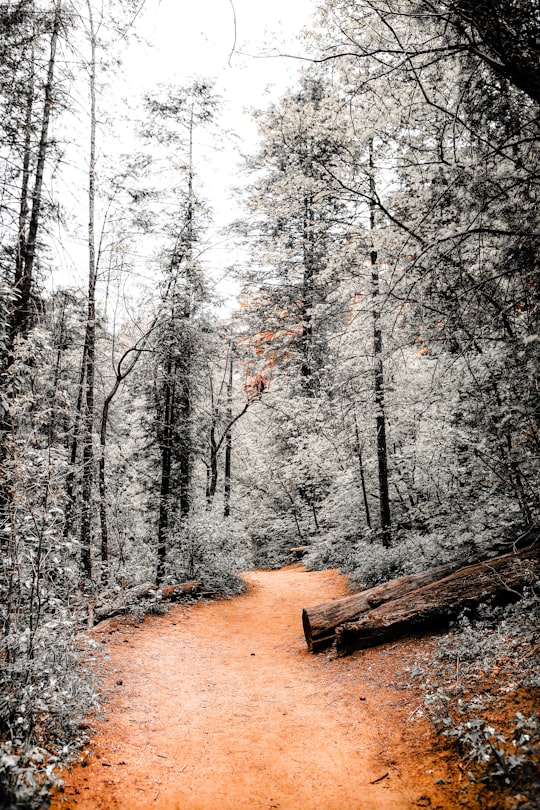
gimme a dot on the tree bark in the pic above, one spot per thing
(380, 410)
(74, 449)
(213, 466)
(362, 474)
(432, 605)
(25, 263)
(185, 383)
(321, 621)
(166, 471)
(20, 316)
(25, 180)
(307, 366)
(228, 440)
(90, 336)
(120, 376)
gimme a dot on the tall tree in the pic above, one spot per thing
(460, 154)
(380, 405)
(25, 28)
(296, 217)
(176, 113)
(89, 349)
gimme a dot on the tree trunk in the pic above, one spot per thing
(184, 430)
(74, 449)
(307, 366)
(120, 377)
(433, 605)
(320, 621)
(166, 472)
(25, 180)
(25, 268)
(90, 336)
(213, 466)
(362, 474)
(228, 440)
(102, 483)
(26, 244)
(185, 442)
(382, 451)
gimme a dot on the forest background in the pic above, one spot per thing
(374, 396)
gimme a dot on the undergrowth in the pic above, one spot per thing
(211, 550)
(368, 563)
(481, 687)
(46, 695)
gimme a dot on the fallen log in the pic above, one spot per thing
(299, 551)
(174, 592)
(123, 602)
(429, 606)
(320, 621)
(127, 599)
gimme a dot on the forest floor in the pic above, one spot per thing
(220, 705)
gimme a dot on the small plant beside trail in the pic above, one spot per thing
(481, 687)
(46, 694)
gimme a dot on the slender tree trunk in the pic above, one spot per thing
(184, 399)
(90, 336)
(382, 452)
(213, 467)
(295, 513)
(23, 284)
(104, 527)
(102, 480)
(25, 181)
(71, 474)
(186, 457)
(362, 474)
(225, 438)
(514, 475)
(26, 244)
(166, 472)
(228, 440)
(307, 367)
(60, 340)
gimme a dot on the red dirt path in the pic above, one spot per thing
(220, 705)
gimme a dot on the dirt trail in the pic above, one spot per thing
(220, 705)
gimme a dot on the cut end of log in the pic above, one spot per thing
(307, 629)
(320, 642)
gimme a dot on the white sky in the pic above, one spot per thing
(199, 38)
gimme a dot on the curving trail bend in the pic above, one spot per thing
(219, 706)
